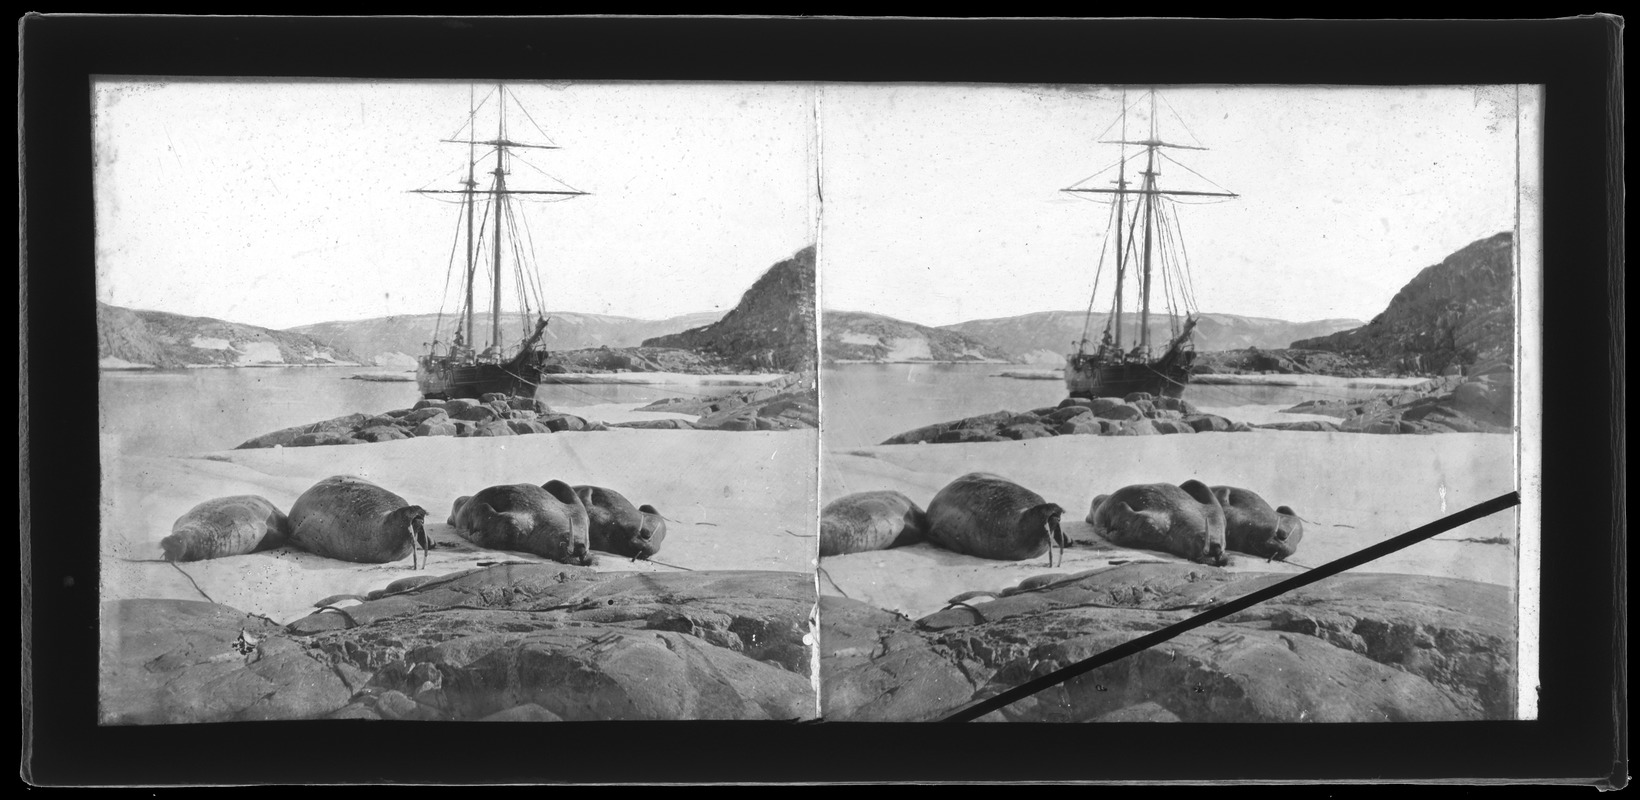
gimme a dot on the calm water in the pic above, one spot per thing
(864, 404)
(185, 412)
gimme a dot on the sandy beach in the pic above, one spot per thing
(737, 501)
(1354, 490)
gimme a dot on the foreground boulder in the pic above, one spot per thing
(1352, 648)
(508, 642)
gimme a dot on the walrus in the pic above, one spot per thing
(226, 526)
(988, 516)
(1252, 527)
(615, 526)
(1185, 520)
(455, 509)
(548, 520)
(654, 525)
(866, 521)
(353, 519)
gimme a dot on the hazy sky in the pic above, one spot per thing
(942, 202)
(281, 203)
(285, 203)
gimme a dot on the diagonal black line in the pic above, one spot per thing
(1229, 607)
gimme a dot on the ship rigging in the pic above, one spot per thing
(495, 230)
(1144, 227)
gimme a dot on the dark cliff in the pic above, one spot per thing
(772, 328)
(1459, 312)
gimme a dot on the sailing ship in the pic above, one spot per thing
(1144, 227)
(496, 231)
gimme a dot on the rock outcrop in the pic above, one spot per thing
(510, 642)
(492, 415)
(1355, 648)
(1256, 361)
(772, 328)
(1459, 312)
(1481, 402)
(130, 337)
(1138, 414)
(638, 359)
(787, 404)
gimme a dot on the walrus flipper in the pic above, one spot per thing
(1213, 510)
(580, 521)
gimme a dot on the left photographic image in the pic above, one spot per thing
(456, 400)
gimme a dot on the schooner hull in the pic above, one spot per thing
(445, 381)
(1086, 377)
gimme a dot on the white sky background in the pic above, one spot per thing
(942, 202)
(286, 203)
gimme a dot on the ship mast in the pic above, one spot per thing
(1121, 198)
(499, 194)
(1150, 215)
(472, 159)
(1148, 191)
(497, 208)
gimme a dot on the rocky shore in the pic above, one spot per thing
(492, 415)
(509, 642)
(788, 404)
(1138, 414)
(1355, 648)
(1483, 401)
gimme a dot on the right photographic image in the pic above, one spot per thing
(1099, 359)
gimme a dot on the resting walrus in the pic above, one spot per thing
(226, 526)
(353, 519)
(1252, 527)
(985, 515)
(1185, 520)
(616, 526)
(546, 520)
(866, 521)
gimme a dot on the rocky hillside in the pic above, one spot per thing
(398, 340)
(129, 338)
(772, 329)
(1459, 312)
(1044, 337)
(856, 336)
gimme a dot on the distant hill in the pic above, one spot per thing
(857, 336)
(398, 340)
(1044, 337)
(1458, 312)
(771, 329)
(129, 337)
